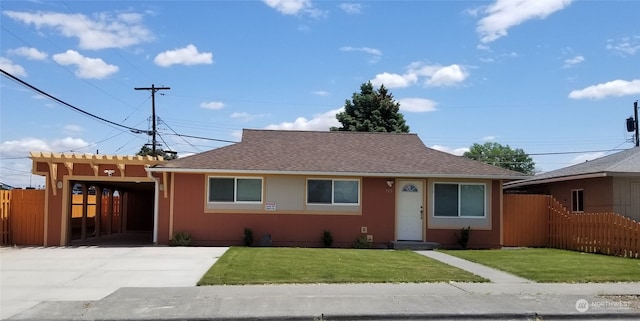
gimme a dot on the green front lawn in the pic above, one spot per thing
(552, 265)
(246, 265)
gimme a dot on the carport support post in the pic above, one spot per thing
(123, 212)
(109, 211)
(98, 215)
(83, 226)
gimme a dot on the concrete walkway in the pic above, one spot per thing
(29, 276)
(495, 276)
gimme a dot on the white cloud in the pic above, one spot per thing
(434, 76)
(489, 138)
(73, 128)
(504, 14)
(573, 61)
(375, 54)
(12, 68)
(625, 46)
(22, 147)
(213, 105)
(246, 117)
(188, 56)
(87, 68)
(103, 30)
(318, 122)
(20, 168)
(483, 47)
(454, 151)
(611, 88)
(586, 157)
(394, 80)
(29, 53)
(237, 135)
(417, 105)
(351, 8)
(288, 7)
(448, 76)
(321, 93)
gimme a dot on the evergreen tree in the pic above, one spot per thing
(372, 111)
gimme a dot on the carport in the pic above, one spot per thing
(97, 199)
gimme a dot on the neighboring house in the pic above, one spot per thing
(4, 186)
(293, 185)
(607, 184)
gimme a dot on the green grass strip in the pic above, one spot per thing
(246, 265)
(553, 265)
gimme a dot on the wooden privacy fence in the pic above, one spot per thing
(22, 217)
(525, 220)
(541, 221)
(605, 233)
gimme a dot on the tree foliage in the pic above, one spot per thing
(372, 111)
(502, 156)
(147, 151)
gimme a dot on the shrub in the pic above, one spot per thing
(361, 243)
(463, 239)
(327, 239)
(181, 239)
(247, 236)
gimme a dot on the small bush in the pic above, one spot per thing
(327, 239)
(361, 243)
(463, 239)
(181, 239)
(247, 236)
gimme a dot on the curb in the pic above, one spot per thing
(408, 317)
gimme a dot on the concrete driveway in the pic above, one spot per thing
(29, 276)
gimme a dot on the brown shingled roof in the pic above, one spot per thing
(337, 152)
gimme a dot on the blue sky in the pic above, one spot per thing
(551, 76)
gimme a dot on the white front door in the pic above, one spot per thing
(410, 211)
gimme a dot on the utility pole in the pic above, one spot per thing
(635, 114)
(153, 115)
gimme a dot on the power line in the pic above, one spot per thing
(205, 138)
(581, 152)
(134, 130)
(186, 141)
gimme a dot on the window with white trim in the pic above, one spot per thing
(235, 190)
(459, 200)
(577, 200)
(333, 191)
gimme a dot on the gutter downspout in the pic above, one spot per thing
(156, 196)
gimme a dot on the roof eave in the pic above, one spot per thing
(325, 173)
(522, 183)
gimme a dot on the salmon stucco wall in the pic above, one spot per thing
(598, 193)
(53, 221)
(478, 238)
(164, 206)
(208, 227)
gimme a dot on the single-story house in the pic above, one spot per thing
(293, 185)
(604, 185)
